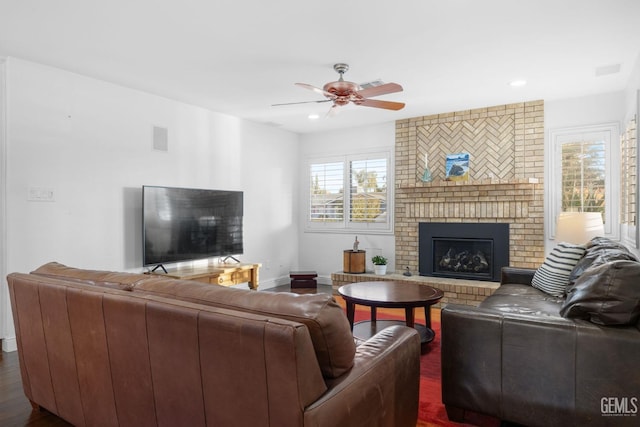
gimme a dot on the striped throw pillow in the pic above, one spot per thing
(552, 277)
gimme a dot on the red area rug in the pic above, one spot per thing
(431, 411)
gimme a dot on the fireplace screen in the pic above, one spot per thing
(462, 257)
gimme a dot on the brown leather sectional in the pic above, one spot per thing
(526, 357)
(104, 348)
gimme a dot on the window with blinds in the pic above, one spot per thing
(368, 193)
(583, 176)
(326, 201)
(350, 194)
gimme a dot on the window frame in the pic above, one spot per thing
(610, 132)
(629, 141)
(346, 226)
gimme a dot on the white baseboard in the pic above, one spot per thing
(274, 283)
(324, 280)
(9, 345)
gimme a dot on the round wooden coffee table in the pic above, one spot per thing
(390, 295)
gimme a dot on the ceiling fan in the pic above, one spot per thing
(342, 92)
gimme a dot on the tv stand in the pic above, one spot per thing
(218, 274)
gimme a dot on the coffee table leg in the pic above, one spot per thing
(351, 311)
(409, 317)
(374, 313)
(427, 316)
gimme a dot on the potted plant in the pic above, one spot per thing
(379, 264)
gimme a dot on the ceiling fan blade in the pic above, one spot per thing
(380, 90)
(316, 90)
(303, 102)
(388, 105)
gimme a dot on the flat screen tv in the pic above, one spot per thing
(186, 224)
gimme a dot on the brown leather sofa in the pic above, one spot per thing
(117, 349)
(526, 357)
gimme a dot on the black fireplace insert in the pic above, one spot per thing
(476, 251)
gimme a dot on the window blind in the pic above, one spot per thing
(326, 192)
(583, 176)
(368, 192)
(628, 175)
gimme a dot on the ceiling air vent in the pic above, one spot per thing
(374, 83)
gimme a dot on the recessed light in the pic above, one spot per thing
(313, 116)
(518, 83)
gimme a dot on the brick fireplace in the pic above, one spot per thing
(506, 147)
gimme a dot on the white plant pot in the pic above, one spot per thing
(380, 270)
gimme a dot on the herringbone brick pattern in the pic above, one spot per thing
(488, 140)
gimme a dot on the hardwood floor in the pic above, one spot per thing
(16, 411)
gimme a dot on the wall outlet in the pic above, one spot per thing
(41, 194)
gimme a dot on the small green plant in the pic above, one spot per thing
(379, 260)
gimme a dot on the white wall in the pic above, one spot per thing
(6, 321)
(576, 112)
(321, 251)
(91, 142)
(583, 111)
(616, 107)
(632, 93)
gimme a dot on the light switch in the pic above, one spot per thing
(41, 194)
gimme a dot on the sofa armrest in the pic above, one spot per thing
(471, 340)
(381, 389)
(491, 359)
(517, 275)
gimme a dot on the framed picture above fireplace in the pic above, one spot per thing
(457, 167)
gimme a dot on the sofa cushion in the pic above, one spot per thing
(607, 295)
(600, 250)
(552, 276)
(108, 279)
(320, 313)
(523, 299)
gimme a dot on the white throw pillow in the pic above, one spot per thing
(552, 277)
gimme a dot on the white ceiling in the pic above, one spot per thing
(239, 57)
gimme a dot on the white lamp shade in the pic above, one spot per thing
(579, 227)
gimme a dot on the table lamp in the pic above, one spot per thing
(579, 227)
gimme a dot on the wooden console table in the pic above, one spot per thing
(221, 274)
